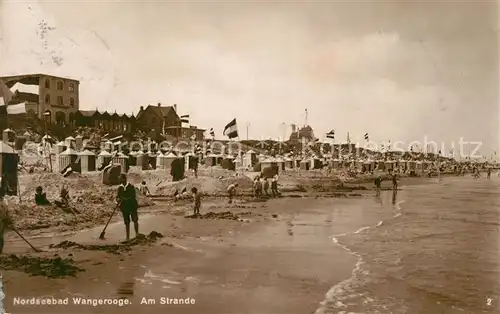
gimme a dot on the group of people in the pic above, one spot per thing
(261, 187)
(378, 182)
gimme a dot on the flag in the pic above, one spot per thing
(24, 88)
(17, 108)
(5, 94)
(366, 137)
(212, 132)
(331, 134)
(193, 137)
(348, 138)
(231, 129)
(185, 118)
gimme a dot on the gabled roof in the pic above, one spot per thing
(87, 113)
(159, 110)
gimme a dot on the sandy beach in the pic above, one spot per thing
(260, 256)
(276, 256)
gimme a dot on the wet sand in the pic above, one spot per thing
(280, 258)
(263, 264)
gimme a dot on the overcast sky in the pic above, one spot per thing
(398, 71)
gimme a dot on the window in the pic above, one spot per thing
(72, 102)
(60, 85)
(71, 87)
(60, 100)
(47, 99)
(47, 83)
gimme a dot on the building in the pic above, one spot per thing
(163, 120)
(105, 121)
(51, 98)
(306, 133)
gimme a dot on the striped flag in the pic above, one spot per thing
(212, 132)
(16, 108)
(231, 129)
(331, 134)
(366, 137)
(6, 97)
(185, 118)
(25, 88)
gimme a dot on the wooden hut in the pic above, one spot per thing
(142, 160)
(281, 163)
(8, 168)
(315, 163)
(60, 147)
(389, 165)
(132, 158)
(211, 160)
(160, 160)
(104, 159)
(8, 136)
(191, 160)
(87, 161)
(70, 141)
(152, 159)
(305, 164)
(228, 163)
(79, 142)
(122, 160)
(68, 158)
(265, 162)
(249, 159)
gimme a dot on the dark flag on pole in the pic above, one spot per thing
(331, 134)
(366, 137)
(231, 129)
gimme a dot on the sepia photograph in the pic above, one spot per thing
(249, 157)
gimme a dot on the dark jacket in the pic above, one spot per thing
(126, 197)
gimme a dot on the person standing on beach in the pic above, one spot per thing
(144, 189)
(488, 175)
(231, 190)
(257, 187)
(197, 201)
(5, 221)
(274, 186)
(266, 187)
(394, 181)
(378, 184)
(127, 200)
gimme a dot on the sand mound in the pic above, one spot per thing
(91, 202)
(221, 216)
(125, 246)
(213, 186)
(39, 266)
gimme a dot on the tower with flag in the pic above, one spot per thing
(231, 129)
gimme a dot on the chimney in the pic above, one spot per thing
(142, 108)
(175, 108)
(159, 104)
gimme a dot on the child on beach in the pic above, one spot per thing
(127, 201)
(197, 201)
(144, 189)
(274, 186)
(231, 190)
(394, 181)
(266, 187)
(5, 221)
(378, 184)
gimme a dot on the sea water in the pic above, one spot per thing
(435, 249)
